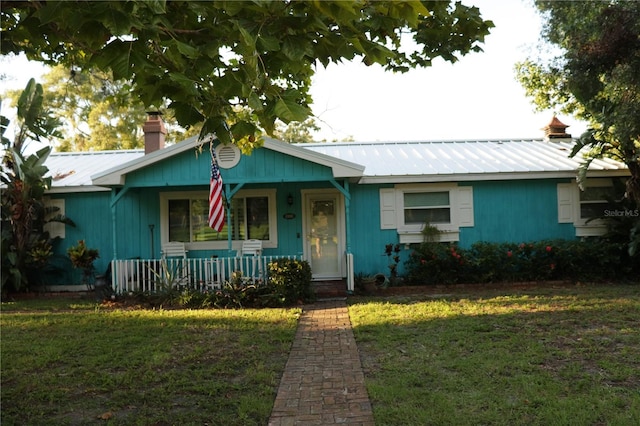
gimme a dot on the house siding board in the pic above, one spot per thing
(129, 211)
(91, 214)
(368, 240)
(269, 166)
(290, 238)
(261, 166)
(182, 169)
(515, 211)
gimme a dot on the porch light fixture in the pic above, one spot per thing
(290, 200)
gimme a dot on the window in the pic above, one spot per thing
(593, 201)
(185, 219)
(422, 207)
(408, 207)
(583, 208)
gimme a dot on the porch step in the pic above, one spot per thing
(328, 289)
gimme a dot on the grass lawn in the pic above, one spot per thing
(74, 362)
(546, 356)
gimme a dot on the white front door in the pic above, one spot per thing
(324, 231)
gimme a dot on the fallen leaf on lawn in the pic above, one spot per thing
(106, 416)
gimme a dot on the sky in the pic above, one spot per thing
(478, 97)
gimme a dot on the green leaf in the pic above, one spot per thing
(217, 126)
(156, 6)
(41, 155)
(268, 43)
(186, 114)
(50, 13)
(188, 51)
(293, 49)
(116, 57)
(233, 7)
(187, 84)
(254, 102)
(118, 22)
(288, 110)
(585, 140)
(249, 40)
(243, 128)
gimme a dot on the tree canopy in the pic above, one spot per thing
(595, 76)
(206, 57)
(95, 112)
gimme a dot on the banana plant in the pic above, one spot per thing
(23, 181)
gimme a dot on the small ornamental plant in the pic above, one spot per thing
(83, 257)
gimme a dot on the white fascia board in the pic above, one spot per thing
(77, 189)
(117, 175)
(489, 176)
(340, 168)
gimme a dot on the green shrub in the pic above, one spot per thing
(237, 293)
(593, 259)
(290, 280)
(435, 263)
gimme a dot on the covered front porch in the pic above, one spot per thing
(203, 274)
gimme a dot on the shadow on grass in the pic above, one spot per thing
(142, 366)
(545, 356)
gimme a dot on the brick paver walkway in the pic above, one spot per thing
(323, 382)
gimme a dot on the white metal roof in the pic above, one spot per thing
(463, 160)
(74, 169)
(369, 162)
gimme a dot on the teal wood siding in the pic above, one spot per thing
(515, 211)
(261, 166)
(290, 237)
(92, 216)
(367, 239)
(134, 213)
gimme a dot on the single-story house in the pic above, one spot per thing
(336, 205)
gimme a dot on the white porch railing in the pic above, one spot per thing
(148, 275)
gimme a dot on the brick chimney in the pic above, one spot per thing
(154, 132)
(555, 130)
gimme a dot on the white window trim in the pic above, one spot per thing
(55, 229)
(569, 208)
(272, 242)
(392, 211)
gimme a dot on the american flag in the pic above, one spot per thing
(216, 205)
